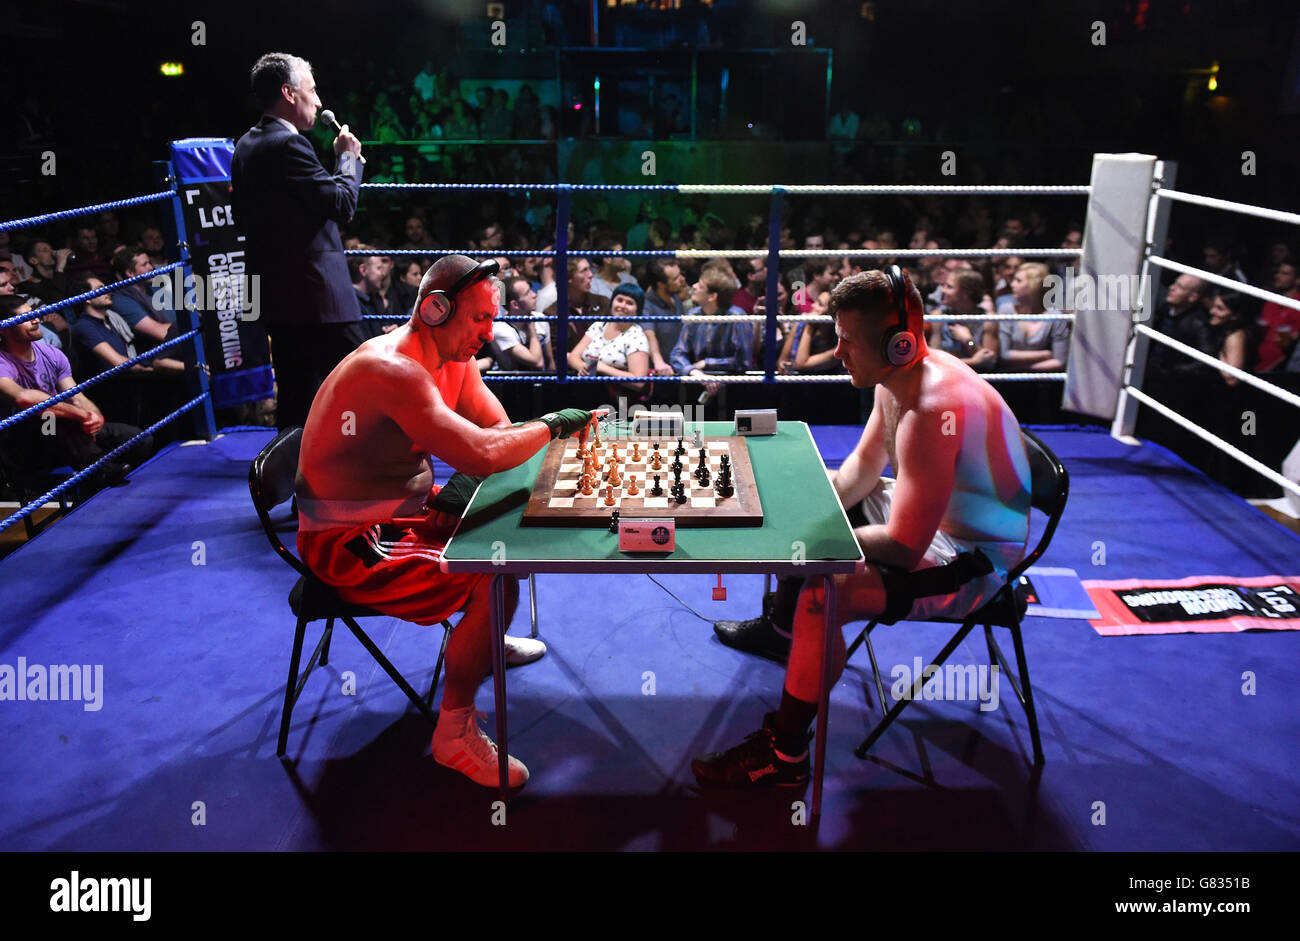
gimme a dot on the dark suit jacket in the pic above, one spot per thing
(289, 209)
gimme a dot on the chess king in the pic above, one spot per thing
(939, 537)
(372, 524)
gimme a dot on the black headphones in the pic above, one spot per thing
(442, 304)
(898, 346)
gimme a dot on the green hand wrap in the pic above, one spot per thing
(455, 494)
(566, 421)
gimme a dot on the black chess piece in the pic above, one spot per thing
(680, 450)
(723, 488)
(681, 493)
(656, 490)
(613, 522)
(676, 466)
(702, 475)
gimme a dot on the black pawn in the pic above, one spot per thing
(613, 522)
(656, 490)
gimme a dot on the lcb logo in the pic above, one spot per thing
(660, 535)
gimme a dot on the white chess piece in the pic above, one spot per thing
(698, 442)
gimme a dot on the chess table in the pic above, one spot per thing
(802, 530)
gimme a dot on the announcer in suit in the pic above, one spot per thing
(289, 208)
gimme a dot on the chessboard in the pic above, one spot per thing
(557, 498)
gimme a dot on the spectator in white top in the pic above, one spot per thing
(614, 348)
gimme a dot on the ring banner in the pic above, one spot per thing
(1201, 604)
(226, 296)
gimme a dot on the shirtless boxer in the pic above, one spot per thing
(939, 538)
(371, 522)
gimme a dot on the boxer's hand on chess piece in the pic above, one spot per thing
(566, 421)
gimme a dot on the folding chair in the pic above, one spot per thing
(1051, 488)
(271, 481)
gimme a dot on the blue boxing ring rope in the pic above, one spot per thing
(563, 192)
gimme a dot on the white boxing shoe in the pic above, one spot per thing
(459, 744)
(521, 650)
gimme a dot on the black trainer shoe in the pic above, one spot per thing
(757, 635)
(753, 764)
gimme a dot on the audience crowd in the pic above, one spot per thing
(615, 305)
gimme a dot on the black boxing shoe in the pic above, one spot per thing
(754, 764)
(757, 636)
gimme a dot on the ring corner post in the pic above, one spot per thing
(178, 243)
(1124, 423)
(1112, 257)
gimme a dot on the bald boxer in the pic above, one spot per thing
(371, 522)
(939, 538)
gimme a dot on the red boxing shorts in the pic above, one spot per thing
(392, 567)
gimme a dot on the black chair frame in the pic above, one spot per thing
(271, 481)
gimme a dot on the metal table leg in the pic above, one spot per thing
(498, 621)
(532, 603)
(824, 699)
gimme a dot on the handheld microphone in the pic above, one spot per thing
(328, 117)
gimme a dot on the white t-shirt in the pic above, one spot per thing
(614, 352)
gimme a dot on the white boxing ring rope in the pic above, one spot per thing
(1142, 331)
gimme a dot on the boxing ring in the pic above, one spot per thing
(199, 676)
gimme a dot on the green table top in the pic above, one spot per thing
(804, 531)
